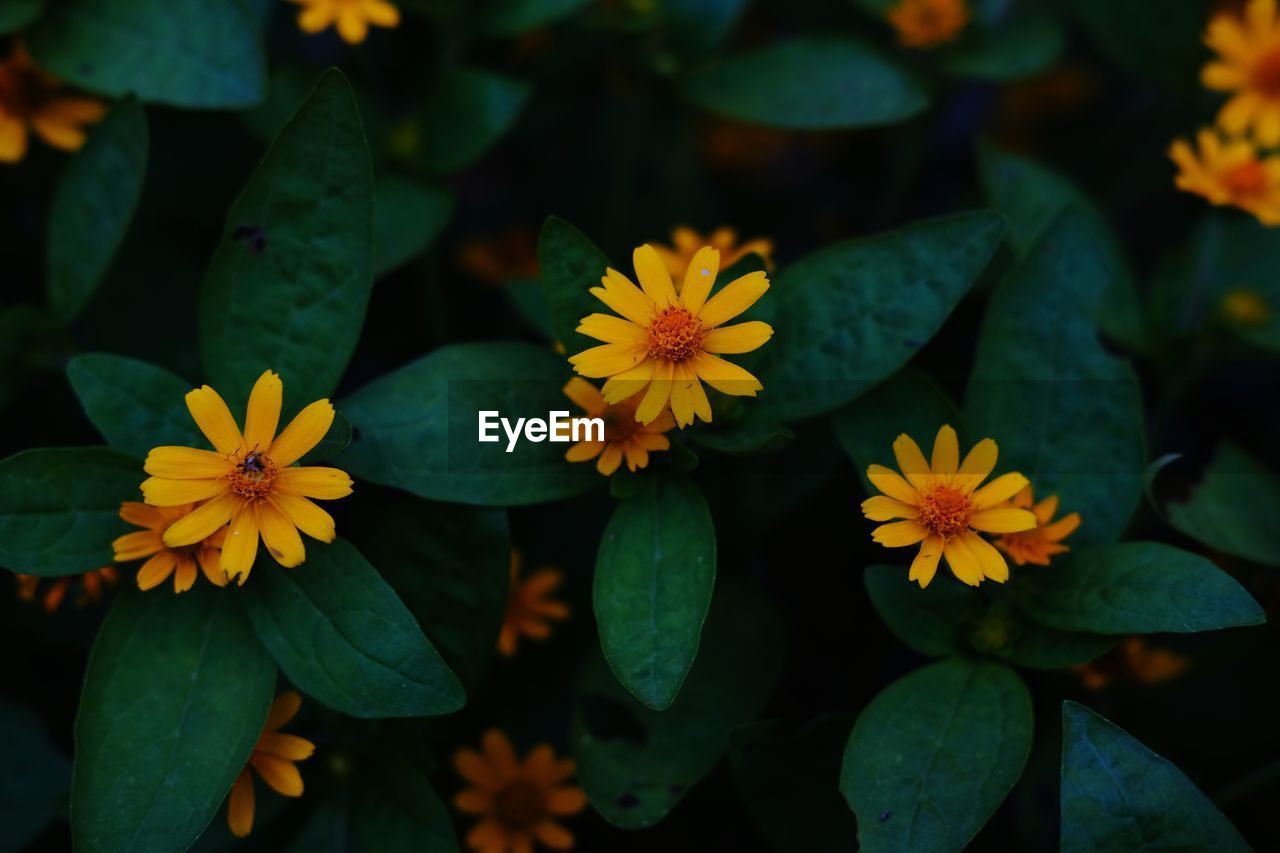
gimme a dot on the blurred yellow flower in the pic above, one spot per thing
(1229, 173)
(247, 479)
(274, 759)
(91, 583)
(352, 17)
(517, 801)
(685, 243)
(529, 606)
(665, 344)
(623, 436)
(30, 98)
(1045, 539)
(1244, 307)
(928, 23)
(1248, 65)
(943, 507)
(163, 560)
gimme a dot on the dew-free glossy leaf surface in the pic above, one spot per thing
(1234, 508)
(135, 405)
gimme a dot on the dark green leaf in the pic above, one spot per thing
(699, 25)
(288, 286)
(409, 216)
(654, 575)
(1120, 797)
(465, 116)
(34, 777)
(334, 442)
(343, 636)
(175, 696)
(17, 14)
(397, 811)
(531, 304)
(513, 17)
(808, 83)
(1018, 48)
(187, 53)
(60, 508)
(1234, 508)
(1137, 587)
(135, 405)
(417, 427)
(934, 754)
(1170, 53)
(569, 265)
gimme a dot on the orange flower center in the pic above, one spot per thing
(253, 477)
(1248, 180)
(1266, 74)
(675, 334)
(619, 424)
(520, 804)
(945, 511)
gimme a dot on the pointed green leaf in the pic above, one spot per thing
(1020, 47)
(410, 214)
(465, 116)
(17, 14)
(1234, 508)
(135, 405)
(175, 696)
(569, 265)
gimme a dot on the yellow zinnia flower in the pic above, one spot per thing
(352, 17)
(247, 479)
(624, 437)
(686, 242)
(517, 801)
(665, 343)
(1231, 173)
(1248, 64)
(273, 758)
(943, 506)
(530, 606)
(91, 583)
(165, 560)
(1045, 539)
(31, 98)
(928, 23)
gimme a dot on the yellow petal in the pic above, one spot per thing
(58, 132)
(285, 746)
(262, 417)
(699, 276)
(653, 275)
(279, 535)
(352, 25)
(628, 383)
(964, 565)
(13, 139)
(607, 360)
(613, 330)
(159, 491)
(241, 545)
(946, 452)
(999, 490)
(1062, 528)
(208, 558)
(283, 709)
(620, 294)
(186, 463)
(240, 805)
(214, 420)
(303, 433)
(201, 522)
(655, 399)
(584, 395)
(1002, 520)
(925, 565)
(739, 338)
(609, 460)
(185, 576)
(990, 561)
(900, 534)
(281, 775)
(977, 465)
(326, 484)
(683, 395)
(135, 546)
(584, 451)
(156, 570)
(892, 484)
(911, 461)
(306, 516)
(734, 298)
(381, 13)
(725, 376)
(883, 508)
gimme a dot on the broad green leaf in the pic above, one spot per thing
(289, 283)
(175, 696)
(416, 428)
(513, 17)
(60, 508)
(808, 83)
(934, 754)
(569, 265)
(17, 14)
(699, 25)
(1020, 47)
(342, 635)
(853, 313)
(467, 113)
(1169, 51)
(635, 763)
(396, 810)
(93, 206)
(531, 304)
(409, 215)
(1064, 412)
(34, 777)
(334, 442)
(1234, 508)
(135, 405)
(185, 53)
(1120, 797)
(654, 575)
(1137, 587)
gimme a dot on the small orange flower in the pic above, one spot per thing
(928, 23)
(351, 17)
(513, 254)
(624, 436)
(1229, 173)
(273, 758)
(529, 607)
(92, 584)
(517, 801)
(163, 560)
(1045, 539)
(31, 98)
(686, 242)
(1134, 661)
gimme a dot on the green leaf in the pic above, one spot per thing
(60, 508)
(1064, 412)
(416, 428)
(135, 405)
(34, 777)
(635, 763)
(808, 83)
(654, 576)
(343, 636)
(175, 696)
(531, 304)
(92, 207)
(16, 15)
(699, 25)
(934, 754)
(854, 313)
(1137, 588)
(1117, 795)
(397, 811)
(185, 53)
(569, 265)
(1020, 47)
(289, 283)
(409, 216)
(1234, 508)
(513, 17)
(334, 442)
(469, 111)
(1170, 52)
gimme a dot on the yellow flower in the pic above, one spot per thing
(665, 343)
(1229, 172)
(1045, 539)
(273, 758)
(91, 583)
(247, 479)
(943, 506)
(163, 559)
(928, 23)
(517, 801)
(686, 242)
(352, 17)
(624, 437)
(31, 98)
(529, 606)
(1248, 64)
(1245, 307)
